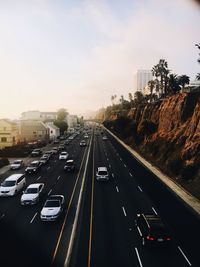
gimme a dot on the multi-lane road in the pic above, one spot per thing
(97, 228)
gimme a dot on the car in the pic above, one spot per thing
(86, 136)
(36, 152)
(63, 155)
(34, 167)
(102, 174)
(32, 194)
(152, 229)
(56, 142)
(69, 165)
(53, 208)
(61, 147)
(49, 152)
(13, 184)
(71, 137)
(44, 159)
(55, 150)
(82, 143)
(104, 137)
(17, 164)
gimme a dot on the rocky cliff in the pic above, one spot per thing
(167, 133)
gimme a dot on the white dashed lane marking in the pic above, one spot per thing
(138, 256)
(140, 188)
(154, 211)
(49, 192)
(184, 256)
(131, 174)
(117, 189)
(33, 217)
(38, 178)
(124, 211)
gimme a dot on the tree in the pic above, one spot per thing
(130, 96)
(138, 97)
(198, 60)
(161, 71)
(151, 86)
(61, 114)
(173, 85)
(183, 80)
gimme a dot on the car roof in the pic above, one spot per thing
(14, 176)
(35, 185)
(20, 160)
(35, 161)
(70, 160)
(63, 152)
(102, 169)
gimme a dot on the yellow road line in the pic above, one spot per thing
(64, 222)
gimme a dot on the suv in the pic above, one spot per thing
(17, 164)
(69, 165)
(33, 167)
(152, 229)
(102, 174)
(12, 185)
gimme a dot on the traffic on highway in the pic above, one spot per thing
(85, 201)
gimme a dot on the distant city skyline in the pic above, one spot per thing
(76, 54)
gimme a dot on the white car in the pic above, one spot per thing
(17, 164)
(105, 137)
(53, 208)
(12, 185)
(32, 194)
(63, 155)
(102, 174)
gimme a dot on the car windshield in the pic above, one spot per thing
(102, 173)
(8, 183)
(69, 163)
(16, 162)
(52, 203)
(34, 164)
(63, 153)
(31, 191)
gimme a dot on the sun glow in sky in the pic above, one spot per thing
(75, 54)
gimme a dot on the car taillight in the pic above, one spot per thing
(150, 238)
(168, 238)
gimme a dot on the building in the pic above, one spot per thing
(33, 130)
(38, 115)
(142, 79)
(9, 134)
(54, 131)
(193, 86)
(72, 121)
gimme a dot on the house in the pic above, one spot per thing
(38, 115)
(33, 130)
(54, 131)
(9, 134)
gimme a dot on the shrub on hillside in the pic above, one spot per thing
(189, 172)
(175, 165)
(4, 162)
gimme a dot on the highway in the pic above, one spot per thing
(106, 234)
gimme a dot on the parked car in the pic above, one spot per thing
(102, 174)
(69, 165)
(32, 194)
(17, 164)
(82, 143)
(53, 208)
(152, 230)
(13, 184)
(34, 167)
(49, 152)
(63, 155)
(36, 152)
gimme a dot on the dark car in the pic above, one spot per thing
(152, 229)
(69, 165)
(34, 167)
(36, 152)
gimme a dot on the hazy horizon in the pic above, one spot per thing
(76, 54)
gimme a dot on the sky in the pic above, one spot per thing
(75, 54)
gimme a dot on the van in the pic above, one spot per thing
(12, 185)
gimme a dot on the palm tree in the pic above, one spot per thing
(130, 96)
(198, 77)
(151, 86)
(183, 80)
(161, 71)
(173, 85)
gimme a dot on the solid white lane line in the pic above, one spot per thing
(185, 256)
(124, 211)
(113, 175)
(38, 178)
(49, 192)
(58, 178)
(138, 256)
(33, 217)
(140, 188)
(139, 231)
(131, 174)
(125, 165)
(117, 189)
(154, 211)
